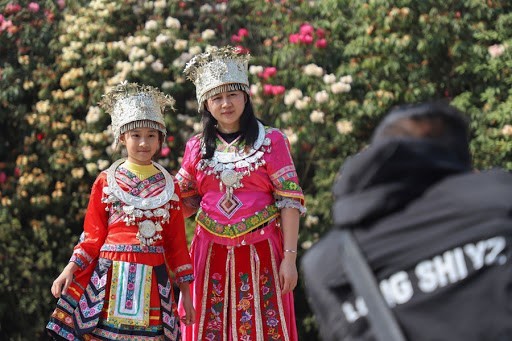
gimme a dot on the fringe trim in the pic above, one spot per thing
(140, 124)
(220, 89)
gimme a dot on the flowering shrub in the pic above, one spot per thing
(324, 72)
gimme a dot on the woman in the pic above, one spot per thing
(238, 177)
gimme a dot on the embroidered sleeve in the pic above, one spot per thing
(186, 174)
(95, 227)
(176, 248)
(282, 173)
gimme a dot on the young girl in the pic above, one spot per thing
(117, 285)
(240, 178)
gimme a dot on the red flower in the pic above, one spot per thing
(40, 136)
(243, 32)
(170, 138)
(3, 177)
(165, 151)
(321, 43)
(306, 39)
(235, 38)
(320, 32)
(273, 90)
(241, 50)
(267, 89)
(278, 90)
(306, 29)
(12, 8)
(294, 38)
(33, 7)
(268, 72)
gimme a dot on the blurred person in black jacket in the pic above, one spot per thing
(436, 234)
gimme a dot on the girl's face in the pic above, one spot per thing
(141, 144)
(227, 108)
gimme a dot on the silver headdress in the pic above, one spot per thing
(132, 106)
(219, 70)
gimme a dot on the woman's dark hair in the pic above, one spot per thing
(248, 129)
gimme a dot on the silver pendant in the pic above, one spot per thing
(229, 177)
(147, 228)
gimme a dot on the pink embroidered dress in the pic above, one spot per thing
(134, 235)
(238, 244)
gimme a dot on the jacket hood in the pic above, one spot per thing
(385, 177)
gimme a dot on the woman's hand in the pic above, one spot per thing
(288, 275)
(61, 283)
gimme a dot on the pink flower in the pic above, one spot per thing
(129, 304)
(5, 25)
(235, 38)
(268, 72)
(12, 8)
(273, 90)
(306, 29)
(61, 4)
(242, 50)
(306, 39)
(165, 151)
(496, 50)
(1, 18)
(321, 43)
(294, 38)
(3, 177)
(243, 32)
(278, 90)
(320, 32)
(267, 89)
(33, 7)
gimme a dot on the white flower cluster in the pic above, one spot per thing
(313, 70)
(343, 85)
(317, 116)
(292, 96)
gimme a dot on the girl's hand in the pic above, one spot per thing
(61, 283)
(190, 313)
(288, 275)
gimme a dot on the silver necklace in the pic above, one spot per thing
(231, 167)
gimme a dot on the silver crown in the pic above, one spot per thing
(131, 106)
(216, 71)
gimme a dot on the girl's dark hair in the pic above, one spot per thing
(248, 129)
(156, 156)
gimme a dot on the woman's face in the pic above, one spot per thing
(227, 108)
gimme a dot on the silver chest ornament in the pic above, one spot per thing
(147, 213)
(224, 165)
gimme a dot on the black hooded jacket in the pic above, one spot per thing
(437, 236)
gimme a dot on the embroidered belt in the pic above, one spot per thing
(132, 248)
(238, 229)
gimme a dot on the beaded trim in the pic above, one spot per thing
(186, 278)
(240, 228)
(183, 268)
(291, 203)
(132, 248)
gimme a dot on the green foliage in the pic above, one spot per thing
(322, 71)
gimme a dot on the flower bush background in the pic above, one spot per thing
(322, 71)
